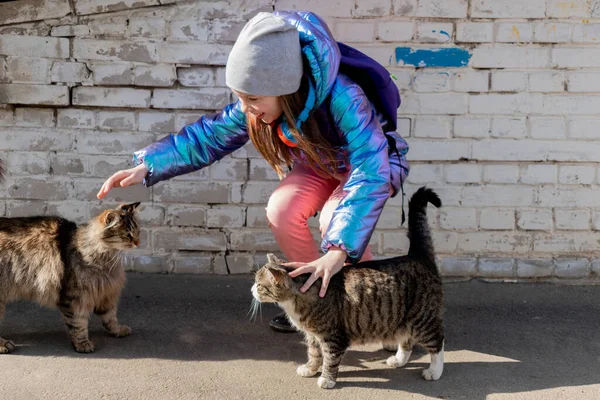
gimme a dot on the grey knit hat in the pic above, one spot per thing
(266, 59)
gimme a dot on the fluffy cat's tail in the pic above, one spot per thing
(421, 244)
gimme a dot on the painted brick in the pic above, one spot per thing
(34, 94)
(471, 81)
(514, 32)
(570, 57)
(70, 30)
(193, 53)
(372, 8)
(196, 76)
(451, 266)
(41, 117)
(551, 32)
(90, 142)
(28, 163)
(156, 122)
(433, 127)
(496, 267)
(114, 50)
(396, 31)
(572, 219)
(28, 70)
(155, 75)
(26, 46)
(229, 169)
(183, 192)
(577, 174)
(458, 219)
(463, 173)
(148, 27)
(110, 26)
(256, 217)
(508, 9)
(431, 82)
(583, 82)
(501, 173)
(355, 31)
(434, 103)
(509, 81)
(442, 9)
(226, 216)
(186, 264)
(204, 98)
(572, 268)
(497, 219)
(494, 242)
(547, 128)
(189, 30)
(116, 120)
(426, 173)
(511, 57)
(70, 72)
(586, 33)
(508, 127)
(434, 32)
(260, 170)
(180, 215)
(75, 118)
(474, 32)
(83, 7)
(194, 239)
(111, 97)
(546, 81)
(520, 103)
(223, 31)
(535, 268)
(540, 220)
(253, 240)
(566, 242)
(497, 195)
(103, 166)
(112, 73)
(584, 128)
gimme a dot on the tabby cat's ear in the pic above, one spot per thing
(277, 275)
(272, 259)
(129, 207)
(110, 217)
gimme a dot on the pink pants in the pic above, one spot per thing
(297, 198)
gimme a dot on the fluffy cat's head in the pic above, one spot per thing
(272, 284)
(119, 228)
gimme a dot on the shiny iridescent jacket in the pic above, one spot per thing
(375, 171)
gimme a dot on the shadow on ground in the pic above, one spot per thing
(501, 338)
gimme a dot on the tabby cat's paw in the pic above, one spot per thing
(430, 374)
(305, 372)
(6, 346)
(325, 383)
(86, 346)
(123, 331)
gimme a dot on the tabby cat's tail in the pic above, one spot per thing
(421, 244)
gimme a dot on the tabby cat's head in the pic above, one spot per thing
(272, 283)
(119, 228)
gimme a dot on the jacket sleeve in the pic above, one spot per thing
(369, 183)
(196, 146)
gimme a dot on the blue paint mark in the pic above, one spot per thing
(445, 33)
(444, 57)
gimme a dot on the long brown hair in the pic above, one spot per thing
(319, 153)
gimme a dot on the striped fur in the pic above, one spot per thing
(52, 261)
(397, 301)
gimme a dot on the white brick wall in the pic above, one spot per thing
(507, 137)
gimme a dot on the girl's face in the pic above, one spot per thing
(266, 108)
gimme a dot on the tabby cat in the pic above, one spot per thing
(77, 269)
(398, 301)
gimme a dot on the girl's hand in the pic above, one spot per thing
(126, 177)
(324, 267)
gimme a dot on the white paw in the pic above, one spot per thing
(392, 361)
(305, 372)
(325, 383)
(431, 375)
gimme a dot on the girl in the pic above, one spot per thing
(302, 115)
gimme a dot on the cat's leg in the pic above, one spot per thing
(333, 350)
(76, 319)
(108, 314)
(315, 358)
(389, 345)
(6, 346)
(404, 350)
(433, 342)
